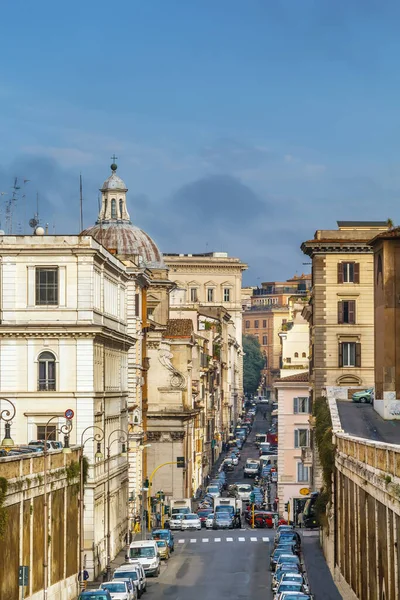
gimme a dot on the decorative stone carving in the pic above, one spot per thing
(178, 380)
(177, 436)
(153, 436)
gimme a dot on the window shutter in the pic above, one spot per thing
(340, 355)
(352, 311)
(340, 273)
(356, 272)
(358, 355)
(295, 405)
(296, 438)
(340, 312)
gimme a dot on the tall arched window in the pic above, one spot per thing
(121, 205)
(113, 209)
(105, 209)
(47, 372)
(296, 355)
(304, 355)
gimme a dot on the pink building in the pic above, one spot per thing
(293, 435)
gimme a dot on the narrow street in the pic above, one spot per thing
(207, 565)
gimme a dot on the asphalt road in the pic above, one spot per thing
(211, 565)
(361, 420)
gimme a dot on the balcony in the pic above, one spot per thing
(306, 456)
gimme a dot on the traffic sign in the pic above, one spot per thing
(23, 576)
(69, 414)
(304, 491)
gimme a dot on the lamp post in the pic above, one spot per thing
(7, 416)
(97, 437)
(123, 439)
(65, 430)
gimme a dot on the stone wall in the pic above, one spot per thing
(23, 542)
(366, 511)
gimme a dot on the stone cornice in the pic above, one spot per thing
(327, 247)
(67, 331)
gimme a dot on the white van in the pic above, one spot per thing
(134, 571)
(146, 552)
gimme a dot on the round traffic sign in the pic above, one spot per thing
(304, 491)
(69, 414)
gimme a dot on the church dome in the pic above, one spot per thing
(114, 230)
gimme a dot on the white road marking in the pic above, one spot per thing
(242, 539)
(193, 541)
(253, 539)
(217, 539)
(265, 539)
(181, 541)
(229, 539)
(205, 540)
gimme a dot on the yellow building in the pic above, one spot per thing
(341, 308)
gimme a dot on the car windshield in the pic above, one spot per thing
(210, 516)
(126, 574)
(190, 517)
(142, 552)
(222, 515)
(87, 596)
(204, 513)
(213, 488)
(161, 543)
(116, 588)
(289, 559)
(289, 587)
(244, 488)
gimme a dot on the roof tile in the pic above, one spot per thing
(179, 328)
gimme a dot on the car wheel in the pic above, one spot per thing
(363, 400)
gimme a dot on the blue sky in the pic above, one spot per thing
(240, 125)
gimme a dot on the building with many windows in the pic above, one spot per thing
(65, 342)
(341, 309)
(294, 409)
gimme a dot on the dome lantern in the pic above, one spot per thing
(114, 229)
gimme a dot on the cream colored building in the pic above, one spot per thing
(65, 343)
(209, 281)
(295, 340)
(294, 407)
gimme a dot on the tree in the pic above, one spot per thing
(253, 363)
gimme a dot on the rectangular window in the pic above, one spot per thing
(264, 324)
(348, 272)
(227, 295)
(288, 360)
(301, 438)
(347, 312)
(210, 295)
(137, 305)
(46, 286)
(349, 354)
(41, 432)
(256, 324)
(193, 294)
(301, 405)
(302, 473)
(265, 340)
(247, 324)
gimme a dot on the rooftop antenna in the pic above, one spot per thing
(34, 222)
(81, 202)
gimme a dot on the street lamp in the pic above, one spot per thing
(97, 437)
(7, 416)
(123, 439)
(65, 430)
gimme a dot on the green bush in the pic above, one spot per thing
(326, 451)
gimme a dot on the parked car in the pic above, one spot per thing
(163, 549)
(120, 590)
(135, 572)
(95, 595)
(364, 396)
(164, 534)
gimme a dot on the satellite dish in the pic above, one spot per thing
(33, 223)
